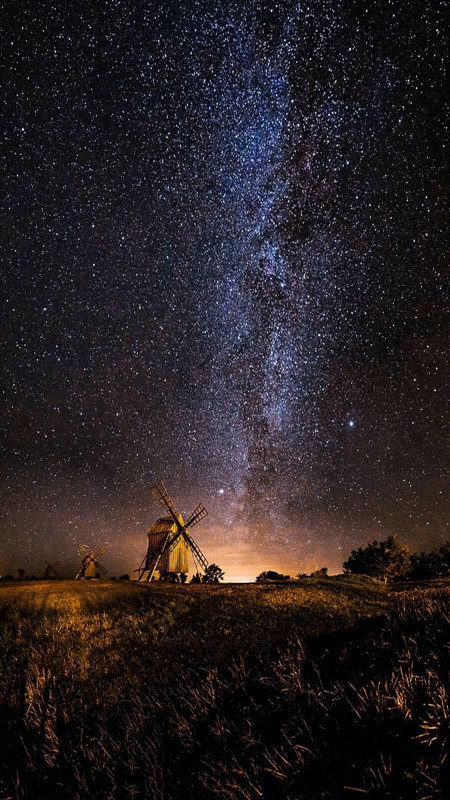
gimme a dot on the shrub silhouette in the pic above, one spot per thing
(271, 575)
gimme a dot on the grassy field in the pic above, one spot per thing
(334, 687)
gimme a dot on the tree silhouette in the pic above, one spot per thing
(388, 559)
(431, 565)
(213, 574)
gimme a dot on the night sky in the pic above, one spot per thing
(223, 249)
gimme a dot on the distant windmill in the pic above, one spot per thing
(90, 565)
(169, 542)
(50, 571)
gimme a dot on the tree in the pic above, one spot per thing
(213, 574)
(441, 555)
(22, 574)
(124, 577)
(431, 565)
(271, 575)
(388, 559)
(196, 578)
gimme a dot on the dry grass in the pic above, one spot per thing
(323, 690)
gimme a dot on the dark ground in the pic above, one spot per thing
(330, 688)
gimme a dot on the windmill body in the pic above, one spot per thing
(175, 561)
(90, 570)
(170, 542)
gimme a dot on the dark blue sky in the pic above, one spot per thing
(224, 228)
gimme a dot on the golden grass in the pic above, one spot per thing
(239, 692)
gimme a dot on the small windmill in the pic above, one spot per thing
(169, 541)
(90, 565)
(50, 571)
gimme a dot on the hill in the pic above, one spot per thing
(233, 691)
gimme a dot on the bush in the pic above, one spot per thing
(271, 575)
(320, 573)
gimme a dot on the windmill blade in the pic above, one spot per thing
(100, 551)
(195, 549)
(152, 566)
(83, 550)
(80, 572)
(163, 497)
(172, 543)
(169, 543)
(198, 514)
(100, 567)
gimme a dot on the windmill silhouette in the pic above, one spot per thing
(90, 565)
(50, 571)
(169, 542)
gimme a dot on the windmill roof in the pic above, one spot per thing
(164, 524)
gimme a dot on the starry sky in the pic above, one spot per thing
(224, 241)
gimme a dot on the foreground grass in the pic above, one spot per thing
(326, 689)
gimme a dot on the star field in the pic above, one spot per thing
(224, 243)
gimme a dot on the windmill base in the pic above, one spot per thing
(169, 577)
(163, 577)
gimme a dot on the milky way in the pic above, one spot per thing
(224, 228)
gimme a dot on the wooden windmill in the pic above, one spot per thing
(169, 541)
(90, 565)
(50, 571)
